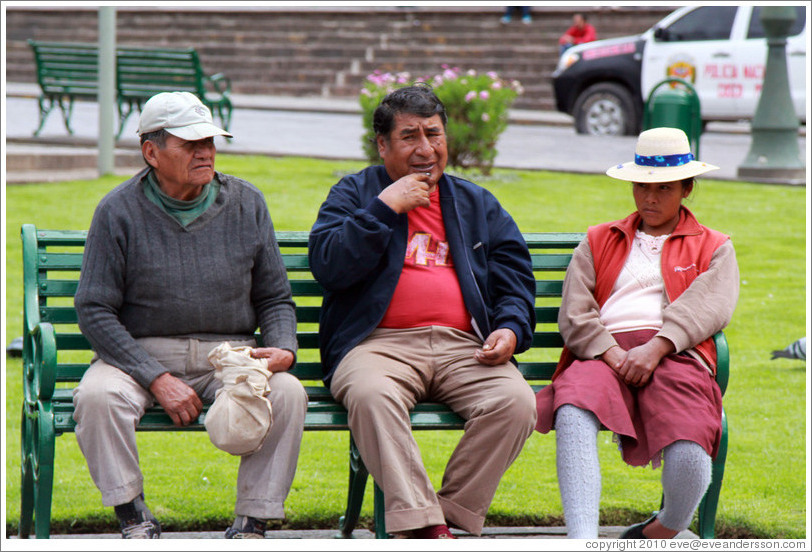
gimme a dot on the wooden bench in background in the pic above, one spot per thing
(70, 71)
(51, 263)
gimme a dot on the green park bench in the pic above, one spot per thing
(69, 71)
(56, 354)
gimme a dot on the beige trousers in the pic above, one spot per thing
(109, 404)
(382, 378)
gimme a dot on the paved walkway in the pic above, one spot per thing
(332, 129)
(607, 532)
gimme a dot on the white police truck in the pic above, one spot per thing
(721, 50)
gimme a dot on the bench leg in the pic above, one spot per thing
(26, 475)
(123, 115)
(45, 107)
(224, 109)
(355, 494)
(380, 515)
(67, 112)
(43, 470)
(710, 502)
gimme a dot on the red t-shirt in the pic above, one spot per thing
(428, 292)
(579, 36)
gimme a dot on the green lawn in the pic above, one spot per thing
(764, 492)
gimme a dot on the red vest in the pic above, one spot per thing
(686, 254)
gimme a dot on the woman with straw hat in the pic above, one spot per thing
(642, 299)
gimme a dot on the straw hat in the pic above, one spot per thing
(662, 155)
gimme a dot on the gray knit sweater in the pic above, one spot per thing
(145, 275)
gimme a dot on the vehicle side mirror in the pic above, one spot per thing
(661, 34)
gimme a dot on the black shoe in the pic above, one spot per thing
(15, 348)
(136, 521)
(146, 529)
(246, 527)
(636, 530)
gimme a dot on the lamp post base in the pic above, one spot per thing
(773, 175)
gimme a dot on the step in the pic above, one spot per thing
(330, 50)
(32, 157)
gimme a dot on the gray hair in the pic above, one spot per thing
(157, 137)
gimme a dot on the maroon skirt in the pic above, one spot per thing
(681, 401)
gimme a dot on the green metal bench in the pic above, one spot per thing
(143, 72)
(65, 72)
(51, 263)
(69, 71)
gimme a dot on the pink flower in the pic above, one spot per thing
(471, 72)
(380, 79)
(486, 117)
(496, 85)
(484, 95)
(470, 96)
(492, 74)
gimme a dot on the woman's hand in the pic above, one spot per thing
(640, 362)
(614, 357)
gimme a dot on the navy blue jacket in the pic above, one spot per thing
(358, 246)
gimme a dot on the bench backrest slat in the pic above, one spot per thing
(53, 259)
(72, 69)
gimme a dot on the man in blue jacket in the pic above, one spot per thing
(429, 292)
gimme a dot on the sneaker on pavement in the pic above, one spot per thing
(246, 527)
(141, 529)
(136, 521)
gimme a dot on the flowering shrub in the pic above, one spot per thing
(476, 105)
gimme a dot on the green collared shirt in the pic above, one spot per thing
(185, 212)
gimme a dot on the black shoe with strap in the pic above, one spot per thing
(136, 521)
(246, 527)
(143, 529)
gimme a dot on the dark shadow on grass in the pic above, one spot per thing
(616, 517)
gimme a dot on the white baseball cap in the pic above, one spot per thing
(662, 155)
(181, 114)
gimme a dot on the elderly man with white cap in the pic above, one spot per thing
(642, 298)
(179, 259)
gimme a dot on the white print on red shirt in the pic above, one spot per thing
(419, 247)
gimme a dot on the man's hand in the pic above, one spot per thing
(641, 361)
(408, 192)
(498, 348)
(178, 399)
(279, 360)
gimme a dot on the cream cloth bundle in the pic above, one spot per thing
(241, 416)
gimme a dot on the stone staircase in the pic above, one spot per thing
(327, 52)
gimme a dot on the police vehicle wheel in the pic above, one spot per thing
(605, 109)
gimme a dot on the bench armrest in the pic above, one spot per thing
(220, 83)
(722, 361)
(39, 363)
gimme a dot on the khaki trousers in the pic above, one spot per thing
(109, 404)
(382, 378)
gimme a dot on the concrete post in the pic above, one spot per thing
(107, 89)
(774, 153)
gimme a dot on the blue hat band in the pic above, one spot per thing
(663, 160)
